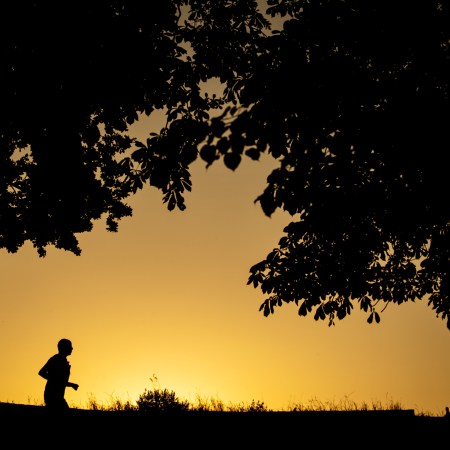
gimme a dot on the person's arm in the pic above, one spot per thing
(44, 372)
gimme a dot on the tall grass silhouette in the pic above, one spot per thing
(158, 399)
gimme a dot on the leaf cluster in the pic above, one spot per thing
(352, 99)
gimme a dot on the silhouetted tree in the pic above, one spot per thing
(74, 76)
(350, 97)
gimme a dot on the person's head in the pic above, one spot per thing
(65, 347)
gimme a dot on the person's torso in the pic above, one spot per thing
(58, 369)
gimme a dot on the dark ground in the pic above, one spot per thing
(23, 426)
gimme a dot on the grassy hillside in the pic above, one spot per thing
(34, 425)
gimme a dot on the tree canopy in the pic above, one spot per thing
(350, 98)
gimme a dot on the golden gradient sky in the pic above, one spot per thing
(167, 296)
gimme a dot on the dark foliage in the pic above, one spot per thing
(160, 400)
(75, 76)
(350, 97)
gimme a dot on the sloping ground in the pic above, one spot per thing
(25, 425)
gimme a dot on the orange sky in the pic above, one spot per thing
(167, 296)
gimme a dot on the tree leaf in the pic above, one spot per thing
(232, 160)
